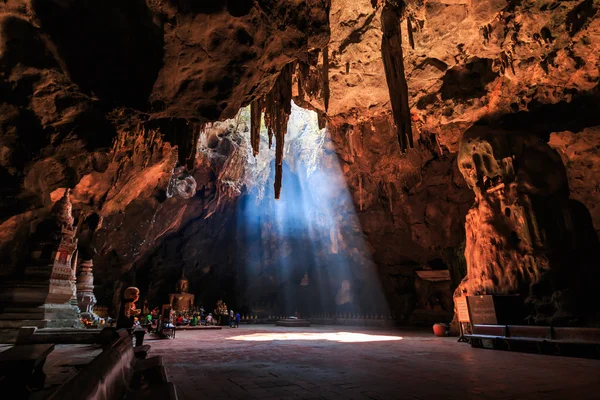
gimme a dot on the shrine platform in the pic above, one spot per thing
(293, 322)
(32, 335)
(198, 328)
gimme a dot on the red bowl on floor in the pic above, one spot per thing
(440, 330)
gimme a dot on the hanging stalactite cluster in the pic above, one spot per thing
(278, 107)
(181, 133)
(393, 61)
(277, 104)
(307, 76)
(313, 81)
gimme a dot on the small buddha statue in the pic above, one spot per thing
(128, 309)
(62, 210)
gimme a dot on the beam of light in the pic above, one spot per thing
(312, 229)
(340, 337)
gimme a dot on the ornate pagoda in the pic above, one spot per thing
(42, 296)
(86, 300)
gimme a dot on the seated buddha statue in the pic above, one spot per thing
(182, 300)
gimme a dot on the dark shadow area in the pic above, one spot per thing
(543, 119)
(468, 81)
(181, 133)
(112, 48)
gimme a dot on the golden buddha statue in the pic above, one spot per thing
(182, 300)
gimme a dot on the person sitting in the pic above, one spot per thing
(148, 322)
(154, 319)
(194, 320)
(179, 320)
(209, 319)
(167, 319)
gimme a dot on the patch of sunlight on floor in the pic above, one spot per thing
(340, 337)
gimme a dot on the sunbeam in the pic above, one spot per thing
(309, 243)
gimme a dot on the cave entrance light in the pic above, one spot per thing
(306, 252)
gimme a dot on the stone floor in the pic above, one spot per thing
(263, 362)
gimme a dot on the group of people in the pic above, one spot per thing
(234, 319)
(193, 317)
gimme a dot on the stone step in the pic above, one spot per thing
(59, 335)
(8, 335)
(18, 323)
(20, 315)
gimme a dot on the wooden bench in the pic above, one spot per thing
(564, 341)
(22, 366)
(116, 373)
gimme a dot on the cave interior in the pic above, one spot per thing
(344, 162)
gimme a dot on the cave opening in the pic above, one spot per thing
(305, 253)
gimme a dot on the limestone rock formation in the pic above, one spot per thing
(580, 155)
(524, 235)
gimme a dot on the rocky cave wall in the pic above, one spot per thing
(526, 67)
(109, 99)
(93, 98)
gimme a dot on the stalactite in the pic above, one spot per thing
(303, 78)
(309, 77)
(325, 87)
(322, 120)
(181, 133)
(360, 193)
(279, 143)
(351, 152)
(278, 106)
(411, 39)
(390, 194)
(255, 120)
(313, 57)
(393, 61)
(190, 161)
(270, 133)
